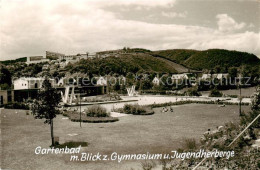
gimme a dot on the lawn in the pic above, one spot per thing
(244, 91)
(161, 132)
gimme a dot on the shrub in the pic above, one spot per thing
(127, 108)
(17, 105)
(86, 119)
(215, 93)
(189, 102)
(136, 109)
(233, 96)
(192, 92)
(75, 117)
(71, 144)
(97, 111)
(189, 144)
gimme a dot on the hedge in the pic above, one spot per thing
(75, 117)
(16, 105)
(189, 102)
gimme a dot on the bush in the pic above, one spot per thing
(127, 108)
(97, 111)
(75, 117)
(136, 109)
(190, 144)
(192, 92)
(215, 93)
(16, 105)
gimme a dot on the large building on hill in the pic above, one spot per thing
(36, 59)
(53, 55)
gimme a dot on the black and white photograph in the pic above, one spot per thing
(129, 84)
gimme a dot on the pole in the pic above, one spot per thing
(240, 97)
(240, 101)
(80, 106)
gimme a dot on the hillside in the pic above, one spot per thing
(7, 62)
(209, 59)
(139, 62)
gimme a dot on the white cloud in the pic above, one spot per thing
(228, 24)
(247, 41)
(251, 25)
(80, 26)
(174, 14)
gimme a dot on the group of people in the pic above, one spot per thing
(165, 109)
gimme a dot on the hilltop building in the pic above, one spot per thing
(53, 55)
(36, 59)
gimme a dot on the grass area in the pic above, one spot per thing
(244, 91)
(158, 133)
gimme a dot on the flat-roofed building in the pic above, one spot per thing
(180, 76)
(53, 55)
(36, 59)
(30, 83)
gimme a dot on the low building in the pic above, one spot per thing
(206, 76)
(45, 67)
(222, 76)
(180, 76)
(27, 87)
(87, 55)
(101, 81)
(67, 57)
(36, 59)
(29, 83)
(156, 81)
(219, 76)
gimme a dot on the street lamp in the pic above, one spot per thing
(240, 97)
(79, 87)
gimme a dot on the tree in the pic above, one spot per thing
(145, 84)
(215, 93)
(217, 69)
(232, 72)
(5, 76)
(45, 106)
(248, 118)
(193, 92)
(256, 100)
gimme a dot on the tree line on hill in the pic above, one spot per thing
(141, 61)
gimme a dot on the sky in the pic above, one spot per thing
(31, 27)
